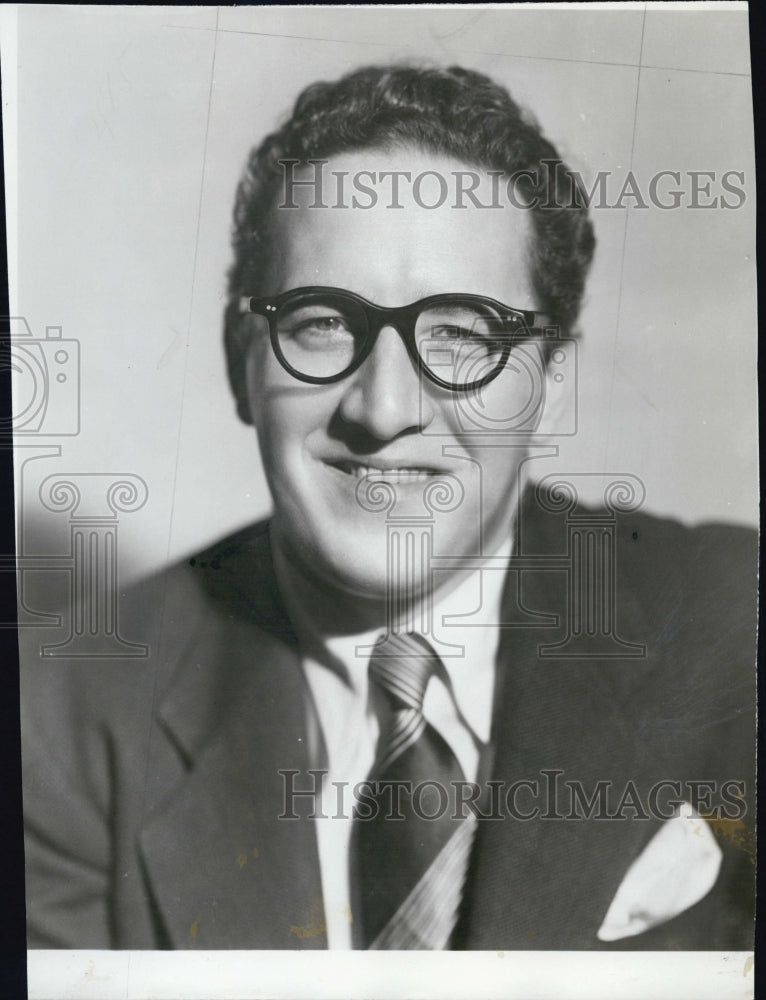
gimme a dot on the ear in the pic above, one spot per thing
(236, 342)
(559, 410)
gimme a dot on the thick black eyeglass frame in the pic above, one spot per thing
(518, 325)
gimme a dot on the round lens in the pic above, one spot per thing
(460, 342)
(320, 334)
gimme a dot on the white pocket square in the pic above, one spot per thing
(676, 869)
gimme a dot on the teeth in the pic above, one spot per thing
(397, 475)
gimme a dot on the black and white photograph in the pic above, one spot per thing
(385, 445)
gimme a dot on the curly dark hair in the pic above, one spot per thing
(454, 112)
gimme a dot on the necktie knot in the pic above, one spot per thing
(402, 665)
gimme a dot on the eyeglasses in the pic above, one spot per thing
(460, 342)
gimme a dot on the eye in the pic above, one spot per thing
(316, 328)
(317, 325)
(463, 329)
(461, 321)
(454, 332)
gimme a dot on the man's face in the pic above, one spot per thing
(385, 420)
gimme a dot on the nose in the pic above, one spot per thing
(385, 396)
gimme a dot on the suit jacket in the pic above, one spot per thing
(152, 786)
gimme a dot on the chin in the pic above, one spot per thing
(357, 568)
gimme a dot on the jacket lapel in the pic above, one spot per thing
(547, 881)
(224, 870)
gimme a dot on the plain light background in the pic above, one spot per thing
(133, 127)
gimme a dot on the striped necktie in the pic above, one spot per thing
(408, 859)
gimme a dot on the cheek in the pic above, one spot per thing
(260, 380)
(291, 418)
(508, 408)
(273, 427)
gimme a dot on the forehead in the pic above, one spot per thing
(396, 225)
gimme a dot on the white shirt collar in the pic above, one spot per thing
(466, 616)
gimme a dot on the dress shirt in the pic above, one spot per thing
(343, 722)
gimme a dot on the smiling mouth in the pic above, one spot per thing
(399, 474)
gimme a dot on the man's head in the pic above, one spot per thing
(385, 419)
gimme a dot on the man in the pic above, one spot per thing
(424, 707)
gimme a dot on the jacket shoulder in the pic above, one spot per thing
(686, 596)
(170, 614)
